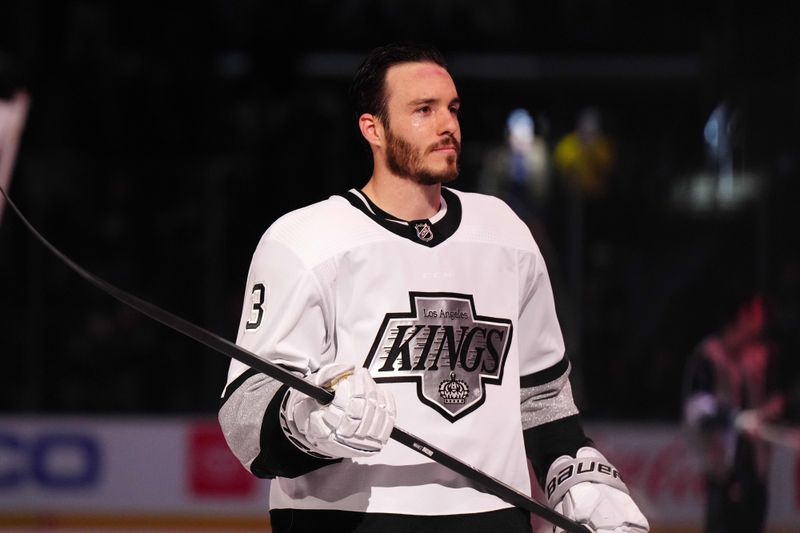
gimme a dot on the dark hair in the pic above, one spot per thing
(368, 91)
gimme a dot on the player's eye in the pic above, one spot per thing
(424, 109)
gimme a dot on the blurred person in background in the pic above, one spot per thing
(733, 376)
(518, 171)
(387, 293)
(586, 156)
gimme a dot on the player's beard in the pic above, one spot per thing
(406, 160)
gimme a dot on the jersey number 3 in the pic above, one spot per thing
(257, 313)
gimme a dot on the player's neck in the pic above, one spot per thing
(404, 198)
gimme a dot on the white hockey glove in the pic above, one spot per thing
(589, 490)
(357, 423)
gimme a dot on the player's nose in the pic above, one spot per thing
(447, 123)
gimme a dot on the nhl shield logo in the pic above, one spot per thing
(424, 232)
(446, 348)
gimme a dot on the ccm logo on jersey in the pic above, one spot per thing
(446, 348)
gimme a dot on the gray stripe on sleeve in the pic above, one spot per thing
(242, 414)
(545, 403)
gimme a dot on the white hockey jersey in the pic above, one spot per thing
(447, 313)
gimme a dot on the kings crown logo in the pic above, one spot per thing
(443, 346)
(453, 390)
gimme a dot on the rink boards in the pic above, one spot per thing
(84, 473)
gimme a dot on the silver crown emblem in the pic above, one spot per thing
(453, 390)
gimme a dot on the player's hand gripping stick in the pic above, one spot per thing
(357, 423)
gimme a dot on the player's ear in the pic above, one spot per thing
(372, 129)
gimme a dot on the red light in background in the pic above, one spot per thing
(213, 470)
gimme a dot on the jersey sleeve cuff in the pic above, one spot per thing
(547, 442)
(279, 457)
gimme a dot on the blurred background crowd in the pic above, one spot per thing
(653, 152)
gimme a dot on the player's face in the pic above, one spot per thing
(423, 137)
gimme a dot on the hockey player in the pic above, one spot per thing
(733, 373)
(421, 305)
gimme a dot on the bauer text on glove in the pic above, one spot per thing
(588, 489)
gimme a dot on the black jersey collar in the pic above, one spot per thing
(421, 231)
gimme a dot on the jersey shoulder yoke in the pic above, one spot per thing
(318, 231)
(488, 218)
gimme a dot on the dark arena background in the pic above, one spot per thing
(163, 138)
